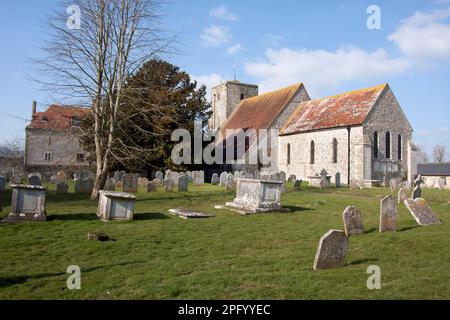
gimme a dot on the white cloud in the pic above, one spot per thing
(272, 40)
(209, 80)
(221, 12)
(321, 69)
(424, 37)
(216, 35)
(234, 49)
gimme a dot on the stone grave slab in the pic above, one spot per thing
(421, 212)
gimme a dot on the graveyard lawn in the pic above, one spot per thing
(262, 256)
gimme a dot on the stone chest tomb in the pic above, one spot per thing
(116, 206)
(27, 204)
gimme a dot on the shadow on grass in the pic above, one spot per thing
(150, 216)
(372, 230)
(361, 261)
(407, 228)
(296, 209)
(10, 281)
(73, 217)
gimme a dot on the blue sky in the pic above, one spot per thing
(324, 44)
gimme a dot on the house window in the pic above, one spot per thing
(75, 122)
(375, 145)
(218, 97)
(312, 153)
(48, 157)
(399, 147)
(242, 96)
(388, 145)
(288, 153)
(44, 119)
(80, 157)
(49, 141)
(335, 150)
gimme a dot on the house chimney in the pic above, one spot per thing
(33, 110)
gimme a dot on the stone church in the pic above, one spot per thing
(362, 135)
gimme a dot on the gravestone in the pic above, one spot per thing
(199, 178)
(292, 178)
(388, 214)
(130, 183)
(27, 204)
(183, 183)
(84, 186)
(417, 193)
(229, 184)
(421, 212)
(353, 221)
(61, 177)
(406, 184)
(223, 178)
(116, 206)
(2, 189)
(152, 186)
(142, 182)
(282, 176)
(62, 188)
(215, 180)
(393, 184)
(189, 214)
(324, 183)
(109, 185)
(402, 195)
(34, 180)
(337, 179)
(168, 185)
(297, 185)
(157, 182)
(175, 176)
(331, 251)
(16, 180)
(159, 175)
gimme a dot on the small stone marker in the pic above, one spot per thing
(168, 185)
(297, 185)
(183, 183)
(292, 178)
(337, 179)
(199, 178)
(331, 251)
(130, 183)
(353, 221)
(159, 175)
(189, 214)
(215, 180)
(402, 195)
(62, 188)
(229, 184)
(223, 178)
(388, 214)
(142, 182)
(34, 180)
(421, 212)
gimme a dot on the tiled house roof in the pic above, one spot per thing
(58, 118)
(434, 169)
(346, 109)
(258, 112)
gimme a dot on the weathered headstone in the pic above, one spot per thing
(292, 178)
(199, 178)
(159, 175)
(183, 183)
(130, 183)
(421, 212)
(27, 204)
(388, 214)
(324, 183)
(61, 177)
(393, 184)
(337, 179)
(229, 184)
(331, 251)
(298, 185)
(223, 178)
(417, 192)
(142, 182)
(84, 186)
(152, 186)
(62, 188)
(115, 206)
(215, 180)
(402, 195)
(109, 185)
(16, 179)
(34, 180)
(168, 185)
(353, 221)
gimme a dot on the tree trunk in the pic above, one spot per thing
(100, 180)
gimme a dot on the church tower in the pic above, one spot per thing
(224, 99)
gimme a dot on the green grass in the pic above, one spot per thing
(264, 256)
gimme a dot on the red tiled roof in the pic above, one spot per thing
(57, 117)
(346, 109)
(258, 112)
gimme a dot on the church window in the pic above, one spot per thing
(335, 150)
(312, 153)
(399, 147)
(289, 153)
(375, 145)
(242, 96)
(388, 145)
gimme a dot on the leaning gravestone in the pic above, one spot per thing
(402, 195)
(215, 180)
(62, 188)
(34, 180)
(130, 183)
(331, 251)
(168, 185)
(183, 183)
(223, 178)
(388, 214)
(421, 212)
(353, 221)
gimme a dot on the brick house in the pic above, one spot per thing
(52, 140)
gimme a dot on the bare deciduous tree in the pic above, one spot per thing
(439, 153)
(14, 152)
(88, 65)
(422, 156)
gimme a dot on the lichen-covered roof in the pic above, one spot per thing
(57, 117)
(258, 112)
(434, 169)
(345, 109)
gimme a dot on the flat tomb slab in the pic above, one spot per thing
(244, 211)
(189, 214)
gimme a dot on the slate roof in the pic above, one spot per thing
(345, 109)
(434, 169)
(258, 112)
(57, 117)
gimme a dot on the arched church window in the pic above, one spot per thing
(375, 145)
(335, 150)
(288, 153)
(388, 145)
(312, 152)
(399, 147)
